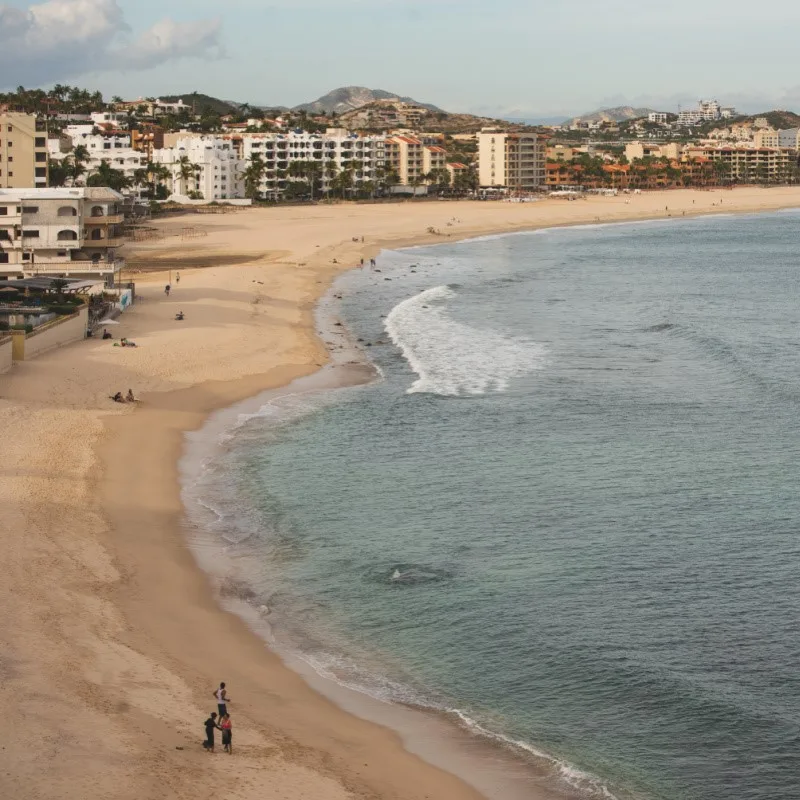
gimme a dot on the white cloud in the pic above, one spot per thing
(55, 40)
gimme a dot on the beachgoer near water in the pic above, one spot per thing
(227, 734)
(211, 726)
(106, 334)
(222, 700)
(166, 290)
(129, 397)
(177, 277)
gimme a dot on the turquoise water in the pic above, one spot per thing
(569, 509)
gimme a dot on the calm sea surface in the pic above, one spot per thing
(569, 510)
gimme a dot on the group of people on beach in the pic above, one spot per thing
(220, 720)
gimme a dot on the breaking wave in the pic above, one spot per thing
(451, 358)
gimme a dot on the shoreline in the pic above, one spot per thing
(124, 638)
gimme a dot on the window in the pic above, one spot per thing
(67, 211)
(26, 256)
(30, 209)
(3, 211)
(61, 253)
(41, 157)
(3, 258)
(40, 172)
(10, 158)
(41, 141)
(67, 236)
(30, 234)
(5, 236)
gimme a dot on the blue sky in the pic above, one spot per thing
(504, 57)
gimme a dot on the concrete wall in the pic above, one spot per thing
(6, 350)
(57, 333)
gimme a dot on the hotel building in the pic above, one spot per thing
(23, 151)
(512, 161)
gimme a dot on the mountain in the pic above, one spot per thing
(349, 98)
(616, 114)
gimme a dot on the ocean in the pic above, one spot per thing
(565, 514)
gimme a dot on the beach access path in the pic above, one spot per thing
(113, 641)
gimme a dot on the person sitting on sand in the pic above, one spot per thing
(123, 342)
(106, 334)
(129, 397)
(179, 315)
(118, 398)
(227, 734)
(211, 726)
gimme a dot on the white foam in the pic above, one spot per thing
(451, 358)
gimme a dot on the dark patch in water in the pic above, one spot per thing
(411, 575)
(664, 326)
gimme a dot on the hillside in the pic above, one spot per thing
(616, 114)
(203, 101)
(778, 119)
(349, 98)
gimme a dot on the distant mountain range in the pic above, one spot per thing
(348, 98)
(616, 114)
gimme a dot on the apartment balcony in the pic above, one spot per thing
(90, 267)
(112, 219)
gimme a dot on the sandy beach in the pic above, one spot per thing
(113, 639)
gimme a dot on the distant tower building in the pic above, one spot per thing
(23, 151)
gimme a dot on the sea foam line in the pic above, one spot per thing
(451, 358)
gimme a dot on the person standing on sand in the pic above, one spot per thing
(222, 700)
(227, 734)
(166, 290)
(177, 277)
(211, 726)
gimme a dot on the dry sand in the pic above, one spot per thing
(113, 642)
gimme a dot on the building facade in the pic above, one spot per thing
(512, 161)
(206, 167)
(60, 232)
(23, 151)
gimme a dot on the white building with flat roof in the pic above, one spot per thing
(207, 168)
(512, 161)
(60, 232)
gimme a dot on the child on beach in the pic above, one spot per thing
(227, 734)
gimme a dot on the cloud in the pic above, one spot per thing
(58, 39)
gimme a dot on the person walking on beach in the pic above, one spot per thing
(177, 277)
(166, 290)
(227, 734)
(222, 700)
(211, 726)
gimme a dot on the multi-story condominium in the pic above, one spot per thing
(641, 150)
(659, 117)
(749, 164)
(208, 167)
(363, 158)
(412, 161)
(512, 161)
(706, 111)
(103, 143)
(146, 138)
(766, 137)
(789, 138)
(61, 232)
(23, 151)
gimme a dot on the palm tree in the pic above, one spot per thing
(253, 175)
(185, 170)
(80, 156)
(105, 175)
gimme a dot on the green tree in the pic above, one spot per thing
(253, 175)
(106, 175)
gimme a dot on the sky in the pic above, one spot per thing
(512, 58)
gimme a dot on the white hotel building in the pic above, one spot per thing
(215, 167)
(335, 151)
